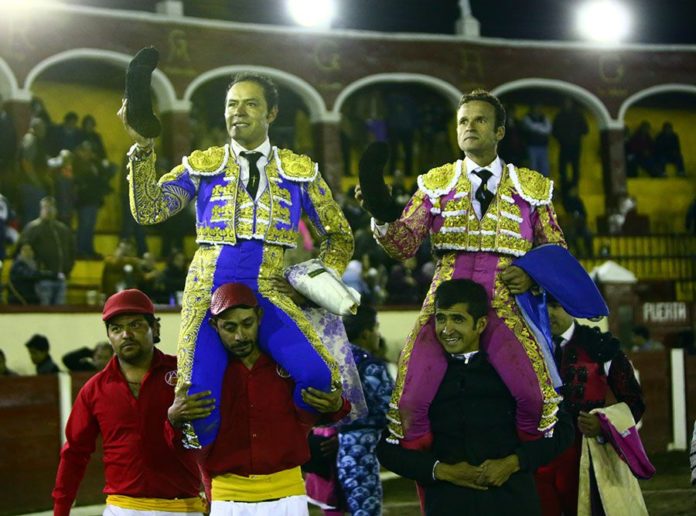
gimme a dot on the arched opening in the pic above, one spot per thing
(660, 161)
(8, 82)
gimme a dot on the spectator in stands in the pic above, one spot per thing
(91, 186)
(54, 249)
(537, 129)
(174, 276)
(4, 371)
(67, 135)
(61, 171)
(8, 148)
(38, 110)
(402, 119)
(33, 166)
(641, 341)
(593, 369)
(24, 278)
(641, 152)
(38, 348)
(86, 359)
(358, 467)
(668, 151)
(402, 287)
(149, 279)
(8, 234)
(121, 269)
(89, 134)
(434, 138)
(127, 404)
(569, 126)
(355, 215)
(512, 148)
(577, 233)
(353, 277)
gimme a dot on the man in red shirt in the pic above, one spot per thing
(127, 404)
(254, 465)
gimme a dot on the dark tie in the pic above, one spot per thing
(483, 195)
(558, 351)
(254, 176)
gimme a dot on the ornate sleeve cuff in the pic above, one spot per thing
(138, 153)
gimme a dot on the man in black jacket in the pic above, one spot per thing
(595, 373)
(476, 464)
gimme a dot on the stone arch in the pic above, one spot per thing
(653, 90)
(311, 97)
(587, 99)
(450, 92)
(8, 83)
(164, 90)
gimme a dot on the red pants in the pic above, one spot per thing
(557, 483)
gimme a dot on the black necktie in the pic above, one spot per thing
(558, 350)
(483, 195)
(254, 175)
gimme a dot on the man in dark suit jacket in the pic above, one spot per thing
(476, 464)
(595, 373)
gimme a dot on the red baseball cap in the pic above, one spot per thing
(130, 301)
(230, 295)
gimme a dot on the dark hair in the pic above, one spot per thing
(88, 118)
(364, 319)
(454, 291)
(641, 331)
(2, 353)
(104, 345)
(38, 342)
(71, 115)
(270, 90)
(485, 96)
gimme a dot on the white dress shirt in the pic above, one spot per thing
(496, 169)
(265, 150)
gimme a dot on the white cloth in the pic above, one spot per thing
(618, 488)
(496, 169)
(112, 510)
(289, 506)
(323, 286)
(265, 150)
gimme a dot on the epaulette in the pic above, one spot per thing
(534, 188)
(439, 181)
(208, 162)
(295, 167)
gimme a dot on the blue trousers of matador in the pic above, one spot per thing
(280, 335)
